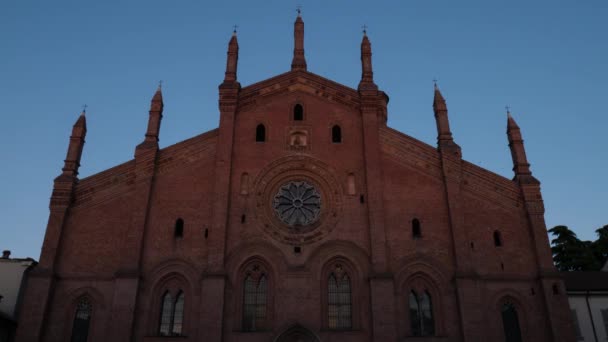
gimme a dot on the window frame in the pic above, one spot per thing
(239, 287)
(257, 127)
(340, 135)
(293, 112)
(173, 282)
(355, 300)
(74, 311)
(174, 296)
(420, 282)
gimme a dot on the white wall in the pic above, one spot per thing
(597, 301)
(11, 273)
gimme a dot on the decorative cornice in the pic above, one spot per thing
(327, 89)
(120, 180)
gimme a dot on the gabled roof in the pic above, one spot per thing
(299, 80)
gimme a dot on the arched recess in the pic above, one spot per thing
(97, 301)
(241, 253)
(421, 277)
(339, 267)
(297, 332)
(422, 286)
(239, 261)
(254, 267)
(173, 276)
(523, 308)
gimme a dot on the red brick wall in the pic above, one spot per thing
(412, 186)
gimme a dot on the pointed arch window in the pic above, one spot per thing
(82, 320)
(171, 315)
(260, 133)
(255, 289)
(510, 323)
(298, 112)
(416, 230)
(421, 314)
(497, 239)
(339, 300)
(336, 134)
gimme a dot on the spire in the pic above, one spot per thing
(367, 74)
(521, 167)
(72, 159)
(155, 117)
(232, 59)
(444, 135)
(438, 100)
(299, 61)
(157, 99)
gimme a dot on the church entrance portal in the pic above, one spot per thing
(297, 333)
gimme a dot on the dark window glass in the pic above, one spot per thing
(298, 112)
(339, 306)
(254, 303)
(82, 321)
(166, 313)
(171, 315)
(336, 134)
(421, 315)
(178, 315)
(426, 310)
(510, 323)
(415, 320)
(497, 239)
(179, 228)
(416, 231)
(260, 133)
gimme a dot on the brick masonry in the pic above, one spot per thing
(110, 236)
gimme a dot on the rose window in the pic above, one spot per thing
(297, 203)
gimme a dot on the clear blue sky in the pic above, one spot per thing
(547, 59)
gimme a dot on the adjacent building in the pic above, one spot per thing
(588, 297)
(13, 276)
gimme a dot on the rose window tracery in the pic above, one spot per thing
(297, 203)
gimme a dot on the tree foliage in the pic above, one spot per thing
(572, 254)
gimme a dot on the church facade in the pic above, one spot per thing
(302, 217)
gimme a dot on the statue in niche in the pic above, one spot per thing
(298, 140)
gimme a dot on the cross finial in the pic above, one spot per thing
(299, 9)
(84, 108)
(234, 27)
(364, 27)
(508, 108)
(160, 84)
(435, 82)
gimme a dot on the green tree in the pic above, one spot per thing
(600, 246)
(572, 254)
(565, 247)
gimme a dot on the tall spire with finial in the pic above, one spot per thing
(299, 61)
(72, 159)
(367, 74)
(521, 167)
(232, 59)
(155, 117)
(441, 116)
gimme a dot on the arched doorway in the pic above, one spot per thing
(297, 333)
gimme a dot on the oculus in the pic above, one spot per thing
(297, 203)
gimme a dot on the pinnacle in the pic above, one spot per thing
(82, 120)
(158, 95)
(438, 100)
(511, 123)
